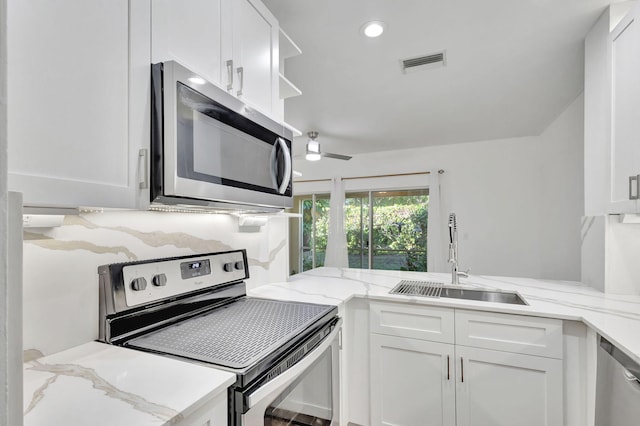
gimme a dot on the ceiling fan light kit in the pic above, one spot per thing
(313, 150)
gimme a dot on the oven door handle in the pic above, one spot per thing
(290, 375)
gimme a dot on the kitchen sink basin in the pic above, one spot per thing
(437, 289)
(483, 295)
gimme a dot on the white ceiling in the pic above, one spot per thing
(512, 67)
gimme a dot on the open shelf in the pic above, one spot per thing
(287, 88)
(288, 48)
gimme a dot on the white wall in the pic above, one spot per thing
(519, 201)
(60, 264)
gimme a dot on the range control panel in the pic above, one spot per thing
(145, 283)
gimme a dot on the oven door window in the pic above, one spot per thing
(215, 145)
(308, 400)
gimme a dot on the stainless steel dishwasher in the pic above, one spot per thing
(618, 387)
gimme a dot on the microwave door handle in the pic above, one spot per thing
(287, 166)
(274, 166)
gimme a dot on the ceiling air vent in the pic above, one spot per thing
(423, 62)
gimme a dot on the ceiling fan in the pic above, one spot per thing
(314, 153)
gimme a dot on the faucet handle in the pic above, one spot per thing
(453, 258)
(464, 274)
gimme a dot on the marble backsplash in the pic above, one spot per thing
(610, 252)
(60, 264)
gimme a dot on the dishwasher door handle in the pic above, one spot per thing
(630, 377)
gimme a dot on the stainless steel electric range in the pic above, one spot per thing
(195, 308)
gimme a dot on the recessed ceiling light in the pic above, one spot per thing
(197, 80)
(373, 28)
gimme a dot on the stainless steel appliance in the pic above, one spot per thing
(210, 149)
(284, 354)
(617, 387)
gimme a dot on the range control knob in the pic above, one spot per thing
(228, 267)
(239, 265)
(159, 280)
(138, 284)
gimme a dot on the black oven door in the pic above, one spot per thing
(306, 394)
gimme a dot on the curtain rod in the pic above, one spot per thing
(369, 177)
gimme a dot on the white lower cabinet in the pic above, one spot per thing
(412, 382)
(421, 382)
(497, 388)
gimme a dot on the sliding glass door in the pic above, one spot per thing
(399, 224)
(385, 229)
(315, 228)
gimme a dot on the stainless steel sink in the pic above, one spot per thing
(438, 289)
(483, 295)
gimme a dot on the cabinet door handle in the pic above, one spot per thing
(142, 157)
(448, 369)
(241, 78)
(230, 75)
(633, 179)
(462, 369)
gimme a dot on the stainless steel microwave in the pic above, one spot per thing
(210, 149)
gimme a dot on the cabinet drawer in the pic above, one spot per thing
(417, 322)
(510, 333)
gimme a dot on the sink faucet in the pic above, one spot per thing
(453, 250)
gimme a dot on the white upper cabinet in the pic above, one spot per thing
(79, 87)
(612, 112)
(231, 43)
(78, 94)
(188, 32)
(625, 114)
(250, 54)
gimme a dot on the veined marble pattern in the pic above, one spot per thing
(99, 383)
(616, 317)
(60, 264)
(102, 384)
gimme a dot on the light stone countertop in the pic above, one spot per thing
(100, 384)
(616, 317)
